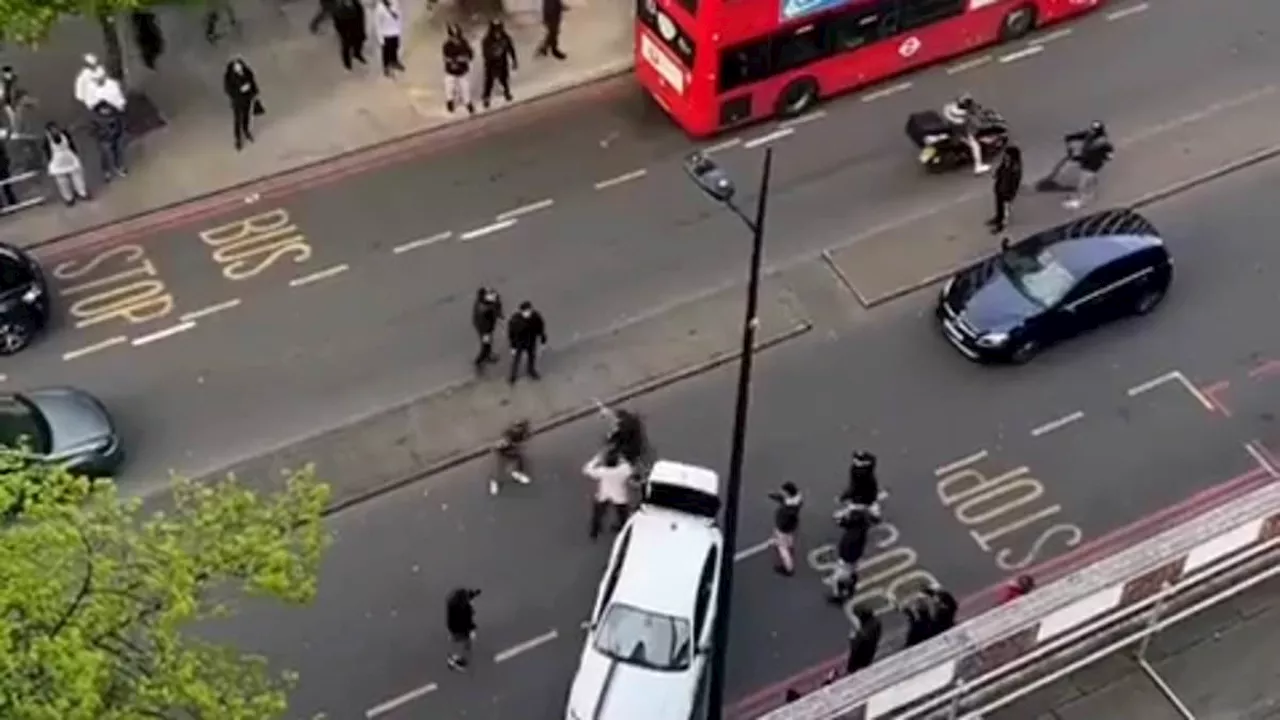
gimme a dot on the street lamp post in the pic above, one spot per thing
(716, 184)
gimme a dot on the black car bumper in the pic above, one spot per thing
(965, 341)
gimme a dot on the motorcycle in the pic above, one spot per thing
(942, 145)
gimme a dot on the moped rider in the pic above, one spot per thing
(964, 113)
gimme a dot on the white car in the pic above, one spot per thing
(649, 637)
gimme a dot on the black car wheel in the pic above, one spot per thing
(1023, 353)
(1148, 300)
(1018, 23)
(15, 334)
(797, 97)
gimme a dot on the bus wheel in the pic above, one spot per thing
(797, 97)
(1018, 23)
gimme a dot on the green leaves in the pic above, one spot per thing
(99, 602)
(28, 22)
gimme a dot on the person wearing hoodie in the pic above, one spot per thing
(486, 313)
(849, 549)
(862, 493)
(499, 54)
(349, 24)
(241, 87)
(460, 622)
(458, 55)
(611, 474)
(105, 99)
(864, 640)
(1007, 182)
(786, 522)
(386, 20)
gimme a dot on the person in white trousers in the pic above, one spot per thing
(389, 25)
(64, 164)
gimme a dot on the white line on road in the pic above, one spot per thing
(3, 377)
(766, 139)
(1061, 422)
(891, 90)
(722, 146)
(399, 700)
(804, 119)
(165, 333)
(211, 310)
(490, 229)
(421, 242)
(752, 551)
(526, 646)
(1022, 54)
(318, 276)
(1262, 459)
(90, 349)
(1169, 377)
(962, 463)
(969, 65)
(1126, 12)
(620, 179)
(1055, 35)
(526, 209)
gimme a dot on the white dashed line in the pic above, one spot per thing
(162, 334)
(316, 277)
(620, 179)
(722, 146)
(526, 646)
(1055, 35)
(526, 209)
(1061, 422)
(1179, 378)
(486, 230)
(1126, 12)
(90, 349)
(752, 551)
(886, 92)
(804, 119)
(766, 139)
(969, 65)
(1022, 54)
(421, 243)
(3, 377)
(1263, 460)
(396, 702)
(211, 310)
(962, 463)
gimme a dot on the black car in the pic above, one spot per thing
(1054, 285)
(24, 299)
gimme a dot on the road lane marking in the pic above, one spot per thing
(766, 139)
(1175, 377)
(318, 276)
(1058, 424)
(752, 551)
(421, 242)
(804, 119)
(162, 334)
(963, 462)
(211, 310)
(526, 209)
(3, 377)
(1214, 393)
(1263, 461)
(722, 146)
(1199, 115)
(620, 179)
(526, 646)
(891, 90)
(486, 230)
(1269, 367)
(90, 349)
(1126, 12)
(969, 65)
(1056, 35)
(1022, 54)
(399, 700)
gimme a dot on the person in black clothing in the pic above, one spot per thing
(862, 494)
(325, 11)
(349, 24)
(499, 53)
(460, 620)
(457, 70)
(1095, 151)
(864, 640)
(944, 610)
(241, 87)
(1008, 180)
(552, 15)
(486, 312)
(525, 332)
(929, 614)
(786, 521)
(852, 544)
(147, 34)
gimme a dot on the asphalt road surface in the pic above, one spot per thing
(1097, 434)
(218, 341)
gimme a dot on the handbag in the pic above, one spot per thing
(257, 107)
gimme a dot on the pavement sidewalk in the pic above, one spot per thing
(315, 108)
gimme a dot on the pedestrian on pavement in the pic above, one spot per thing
(552, 15)
(14, 98)
(929, 614)
(1006, 183)
(107, 104)
(148, 36)
(1016, 588)
(849, 549)
(7, 198)
(458, 55)
(215, 11)
(349, 24)
(388, 24)
(324, 11)
(499, 53)
(612, 475)
(509, 457)
(864, 640)
(64, 164)
(91, 69)
(486, 313)
(241, 87)
(786, 522)
(460, 621)
(526, 330)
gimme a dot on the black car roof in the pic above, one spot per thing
(1085, 243)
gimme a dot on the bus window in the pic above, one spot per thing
(918, 13)
(799, 48)
(850, 32)
(744, 65)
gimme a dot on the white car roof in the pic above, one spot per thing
(692, 477)
(664, 562)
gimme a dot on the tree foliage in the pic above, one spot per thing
(100, 601)
(29, 22)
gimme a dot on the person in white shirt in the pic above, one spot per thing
(389, 25)
(613, 490)
(85, 80)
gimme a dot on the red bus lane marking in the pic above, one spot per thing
(771, 697)
(1265, 369)
(1214, 392)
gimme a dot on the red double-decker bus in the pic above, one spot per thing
(715, 64)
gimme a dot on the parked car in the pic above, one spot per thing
(649, 638)
(62, 425)
(1054, 285)
(24, 299)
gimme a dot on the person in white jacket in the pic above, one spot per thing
(612, 475)
(389, 24)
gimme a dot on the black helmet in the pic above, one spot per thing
(864, 459)
(965, 101)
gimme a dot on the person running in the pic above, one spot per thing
(786, 522)
(509, 456)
